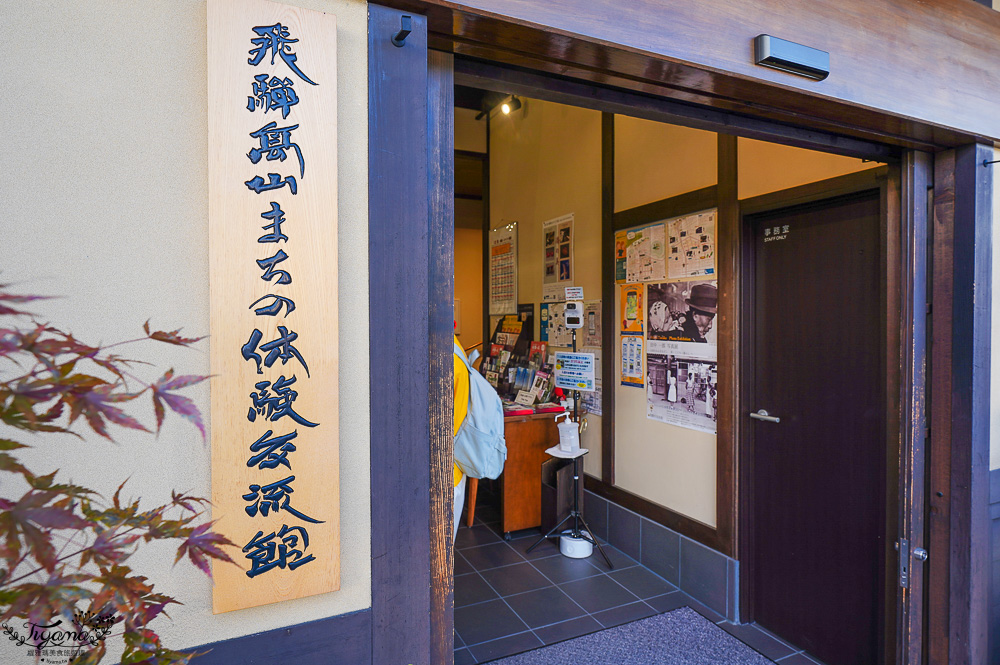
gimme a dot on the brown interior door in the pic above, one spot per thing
(818, 475)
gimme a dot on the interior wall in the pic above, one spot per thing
(666, 464)
(770, 167)
(655, 161)
(469, 285)
(470, 134)
(106, 206)
(545, 162)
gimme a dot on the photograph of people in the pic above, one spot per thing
(682, 311)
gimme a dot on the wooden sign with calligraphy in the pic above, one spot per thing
(272, 140)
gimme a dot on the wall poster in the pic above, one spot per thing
(632, 360)
(683, 385)
(640, 253)
(503, 269)
(681, 312)
(557, 259)
(272, 137)
(592, 335)
(632, 311)
(543, 322)
(692, 245)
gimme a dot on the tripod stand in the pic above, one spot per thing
(577, 517)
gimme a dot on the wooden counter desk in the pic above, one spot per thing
(528, 437)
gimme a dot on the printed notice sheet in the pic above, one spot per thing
(503, 269)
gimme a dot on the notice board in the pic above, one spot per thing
(272, 134)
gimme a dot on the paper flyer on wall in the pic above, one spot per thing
(692, 245)
(632, 311)
(543, 322)
(592, 323)
(557, 259)
(640, 253)
(632, 360)
(558, 333)
(592, 401)
(503, 269)
(682, 390)
(681, 312)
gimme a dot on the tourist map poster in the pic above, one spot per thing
(692, 245)
(640, 254)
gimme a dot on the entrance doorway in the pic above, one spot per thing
(818, 429)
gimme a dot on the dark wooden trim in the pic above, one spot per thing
(338, 640)
(592, 95)
(970, 369)
(682, 524)
(728, 245)
(816, 191)
(995, 499)
(892, 211)
(905, 309)
(441, 278)
(940, 382)
(486, 241)
(744, 432)
(682, 204)
(400, 302)
(466, 197)
(469, 154)
(608, 288)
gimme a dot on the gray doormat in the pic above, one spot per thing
(680, 637)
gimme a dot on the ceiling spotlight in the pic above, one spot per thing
(510, 105)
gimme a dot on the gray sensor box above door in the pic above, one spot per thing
(791, 57)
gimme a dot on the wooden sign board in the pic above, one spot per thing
(272, 140)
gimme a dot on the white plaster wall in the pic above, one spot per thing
(105, 202)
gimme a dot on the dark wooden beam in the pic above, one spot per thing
(608, 288)
(675, 206)
(816, 191)
(882, 81)
(970, 405)
(441, 279)
(729, 247)
(400, 303)
(938, 580)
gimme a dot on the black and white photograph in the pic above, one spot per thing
(682, 391)
(682, 311)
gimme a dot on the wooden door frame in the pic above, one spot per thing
(885, 180)
(411, 607)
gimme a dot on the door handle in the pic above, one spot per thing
(763, 415)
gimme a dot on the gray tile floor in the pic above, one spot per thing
(508, 600)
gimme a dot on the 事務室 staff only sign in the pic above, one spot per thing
(272, 140)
